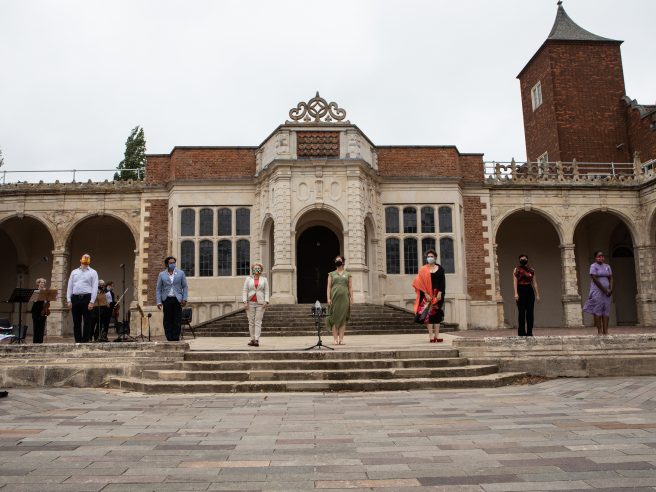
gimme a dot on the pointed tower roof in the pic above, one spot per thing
(565, 29)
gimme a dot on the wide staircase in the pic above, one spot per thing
(280, 371)
(295, 320)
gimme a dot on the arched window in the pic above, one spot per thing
(225, 222)
(188, 222)
(206, 217)
(446, 222)
(188, 258)
(426, 244)
(205, 258)
(224, 257)
(243, 222)
(447, 258)
(410, 259)
(427, 220)
(409, 220)
(392, 220)
(393, 253)
(243, 257)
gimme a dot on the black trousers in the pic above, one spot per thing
(105, 315)
(525, 305)
(172, 318)
(80, 311)
(38, 327)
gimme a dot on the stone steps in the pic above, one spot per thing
(153, 386)
(295, 320)
(290, 370)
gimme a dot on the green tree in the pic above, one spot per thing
(2, 158)
(134, 162)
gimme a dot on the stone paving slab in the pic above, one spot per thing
(563, 434)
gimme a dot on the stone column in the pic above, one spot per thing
(645, 258)
(572, 314)
(498, 298)
(283, 272)
(57, 324)
(355, 256)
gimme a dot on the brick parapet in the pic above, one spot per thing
(477, 254)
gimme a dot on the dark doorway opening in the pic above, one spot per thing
(315, 258)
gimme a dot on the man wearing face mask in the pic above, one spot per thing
(81, 296)
(171, 295)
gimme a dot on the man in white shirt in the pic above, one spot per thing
(81, 295)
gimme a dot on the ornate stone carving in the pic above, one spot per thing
(60, 219)
(317, 109)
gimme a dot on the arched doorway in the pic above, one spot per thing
(607, 232)
(531, 234)
(26, 246)
(111, 244)
(316, 249)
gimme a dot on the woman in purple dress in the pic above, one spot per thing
(601, 288)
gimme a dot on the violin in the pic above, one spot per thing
(45, 310)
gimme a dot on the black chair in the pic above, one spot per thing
(187, 314)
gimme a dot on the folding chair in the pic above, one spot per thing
(187, 314)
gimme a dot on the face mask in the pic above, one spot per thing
(171, 266)
(523, 262)
(256, 271)
(430, 259)
(338, 263)
(85, 261)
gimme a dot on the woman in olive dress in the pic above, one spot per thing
(340, 298)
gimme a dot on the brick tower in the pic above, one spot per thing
(572, 90)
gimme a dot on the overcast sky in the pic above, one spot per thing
(76, 76)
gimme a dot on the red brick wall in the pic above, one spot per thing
(429, 161)
(157, 227)
(317, 144)
(642, 138)
(475, 253)
(582, 115)
(207, 163)
(540, 130)
(158, 169)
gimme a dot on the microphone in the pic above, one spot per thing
(149, 315)
(45, 258)
(122, 265)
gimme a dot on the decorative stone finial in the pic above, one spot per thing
(315, 109)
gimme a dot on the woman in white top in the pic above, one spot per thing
(255, 296)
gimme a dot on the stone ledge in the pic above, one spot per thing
(577, 356)
(83, 365)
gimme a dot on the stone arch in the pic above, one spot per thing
(626, 219)
(533, 234)
(320, 210)
(111, 243)
(267, 250)
(613, 233)
(27, 246)
(557, 224)
(66, 236)
(319, 236)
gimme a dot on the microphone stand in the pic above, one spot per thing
(317, 313)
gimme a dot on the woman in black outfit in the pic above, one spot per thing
(526, 293)
(39, 314)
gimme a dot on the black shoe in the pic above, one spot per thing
(252, 343)
(3, 394)
(256, 343)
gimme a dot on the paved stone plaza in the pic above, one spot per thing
(565, 434)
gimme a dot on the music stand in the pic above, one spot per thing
(125, 329)
(143, 315)
(317, 313)
(19, 296)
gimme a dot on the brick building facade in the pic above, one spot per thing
(317, 186)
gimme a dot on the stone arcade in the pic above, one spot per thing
(317, 186)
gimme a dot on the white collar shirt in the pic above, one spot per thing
(83, 281)
(171, 277)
